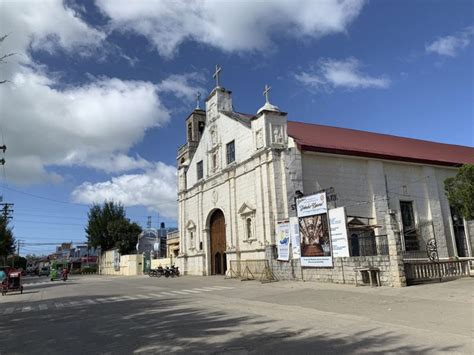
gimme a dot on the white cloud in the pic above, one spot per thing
(155, 188)
(228, 25)
(183, 86)
(47, 123)
(91, 125)
(450, 46)
(46, 25)
(331, 73)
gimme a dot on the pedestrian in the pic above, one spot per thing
(3, 276)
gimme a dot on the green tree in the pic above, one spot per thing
(125, 235)
(109, 228)
(460, 191)
(7, 240)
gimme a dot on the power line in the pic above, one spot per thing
(46, 198)
(44, 222)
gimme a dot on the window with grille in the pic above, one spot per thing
(409, 227)
(230, 152)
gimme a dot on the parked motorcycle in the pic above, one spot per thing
(174, 270)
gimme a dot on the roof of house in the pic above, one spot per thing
(319, 138)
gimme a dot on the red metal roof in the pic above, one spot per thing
(319, 138)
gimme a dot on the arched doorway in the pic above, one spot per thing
(218, 257)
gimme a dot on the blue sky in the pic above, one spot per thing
(98, 91)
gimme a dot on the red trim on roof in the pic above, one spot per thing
(335, 140)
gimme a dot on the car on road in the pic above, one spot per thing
(44, 271)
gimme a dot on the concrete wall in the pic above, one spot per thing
(130, 265)
(374, 188)
(342, 272)
(164, 262)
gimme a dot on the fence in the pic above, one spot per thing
(423, 271)
(368, 245)
(250, 270)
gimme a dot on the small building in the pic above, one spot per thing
(172, 244)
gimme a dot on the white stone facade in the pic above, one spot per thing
(258, 188)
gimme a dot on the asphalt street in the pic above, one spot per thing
(213, 315)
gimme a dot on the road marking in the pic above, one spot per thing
(26, 309)
(180, 292)
(59, 305)
(203, 289)
(129, 298)
(210, 288)
(156, 294)
(43, 307)
(101, 299)
(222, 287)
(9, 310)
(192, 291)
(142, 296)
(167, 294)
(90, 302)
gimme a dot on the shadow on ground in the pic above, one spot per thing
(168, 326)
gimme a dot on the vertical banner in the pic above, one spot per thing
(116, 260)
(295, 237)
(337, 222)
(283, 240)
(315, 243)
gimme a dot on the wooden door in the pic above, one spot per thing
(218, 257)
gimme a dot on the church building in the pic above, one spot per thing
(240, 174)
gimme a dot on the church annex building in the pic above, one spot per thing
(239, 175)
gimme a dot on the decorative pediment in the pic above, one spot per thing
(190, 225)
(246, 209)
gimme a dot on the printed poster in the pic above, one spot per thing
(283, 240)
(295, 237)
(337, 222)
(315, 241)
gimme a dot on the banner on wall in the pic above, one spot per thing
(311, 205)
(295, 237)
(337, 223)
(283, 240)
(116, 260)
(315, 242)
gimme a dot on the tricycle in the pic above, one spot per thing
(12, 281)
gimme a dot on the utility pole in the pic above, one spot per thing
(7, 210)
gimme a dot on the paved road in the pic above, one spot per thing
(124, 315)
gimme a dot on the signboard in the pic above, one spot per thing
(337, 223)
(311, 205)
(116, 260)
(315, 243)
(283, 240)
(295, 237)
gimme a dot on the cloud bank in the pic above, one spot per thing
(228, 25)
(329, 74)
(155, 188)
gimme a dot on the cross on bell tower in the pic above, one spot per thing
(266, 93)
(217, 74)
(198, 99)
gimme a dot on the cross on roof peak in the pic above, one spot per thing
(216, 75)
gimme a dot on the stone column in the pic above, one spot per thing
(388, 222)
(434, 202)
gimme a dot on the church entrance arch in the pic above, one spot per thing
(217, 250)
